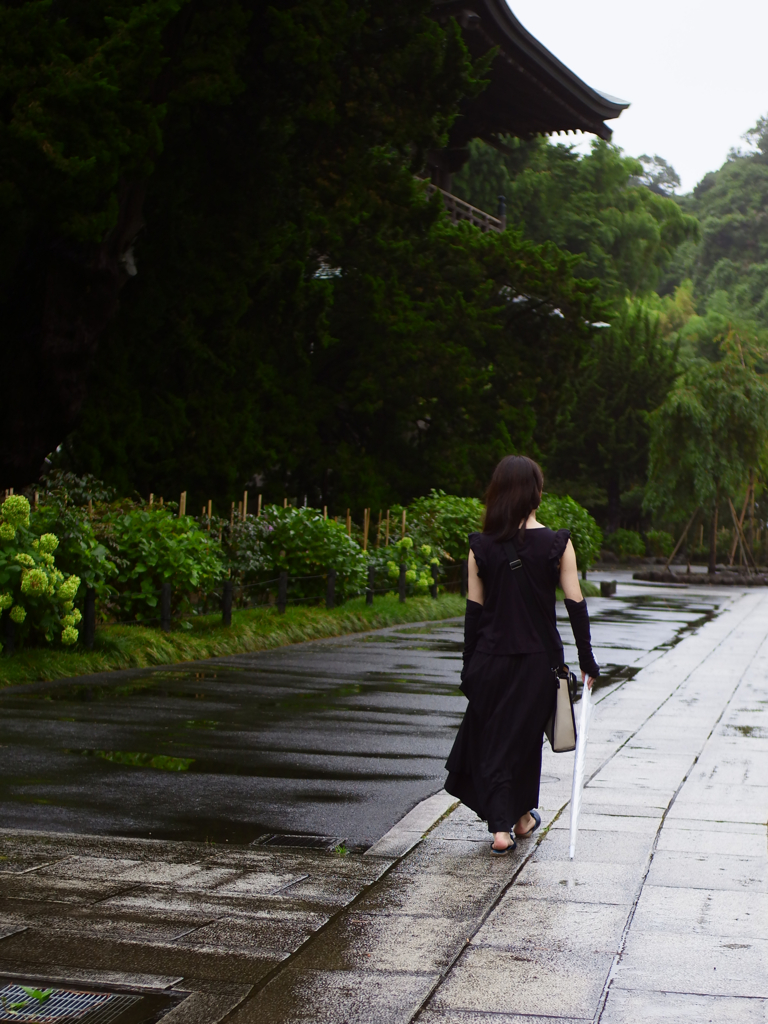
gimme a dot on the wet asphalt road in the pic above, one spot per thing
(337, 738)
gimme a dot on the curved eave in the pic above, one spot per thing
(531, 91)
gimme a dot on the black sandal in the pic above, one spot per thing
(507, 849)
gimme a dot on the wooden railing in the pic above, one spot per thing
(458, 210)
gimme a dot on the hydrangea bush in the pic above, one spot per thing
(302, 543)
(624, 543)
(443, 522)
(563, 513)
(150, 546)
(35, 594)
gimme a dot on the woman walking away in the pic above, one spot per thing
(495, 764)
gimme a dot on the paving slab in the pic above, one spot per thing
(625, 1007)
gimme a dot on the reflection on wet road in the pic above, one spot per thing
(336, 738)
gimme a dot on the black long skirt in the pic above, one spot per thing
(495, 764)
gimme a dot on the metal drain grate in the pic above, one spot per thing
(301, 842)
(62, 1005)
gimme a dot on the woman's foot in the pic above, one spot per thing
(502, 843)
(527, 825)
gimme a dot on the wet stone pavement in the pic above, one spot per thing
(336, 738)
(663, 916)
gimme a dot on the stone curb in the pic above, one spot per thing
(407, 832)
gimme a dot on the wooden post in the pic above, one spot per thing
(258, 506)
(160, 502)
(736, 533)
(89, 618)
(183, 504)
(151, 500)
(378, 532)
(401, 583)
(330, 589)
(433, 589)
(165, 607)
(232, 516)
(402, 531)
(285, 503)
(682, 538)
(366, 524)
(349, 524)
(386, 540)
(282, 592)
(226, 601)
(325, 511)
(36, 500)
(748, 556)
(371, 584)
(210, 512)
(245, 504)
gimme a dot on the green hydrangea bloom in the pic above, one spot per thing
(34, 581)
(49, 542)
(15, 510)
(69, 636)
(7, 532)
(6, 600)
(68, 620)
(406, 542)
(18, 614)
(410, 576)
(68, 589)
(392, 569)
(47, 559)
(24, 559)
(77, 615)
(68, 606)
(426, 550)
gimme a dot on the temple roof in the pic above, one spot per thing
(530, 92)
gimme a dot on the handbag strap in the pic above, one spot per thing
(533, 606)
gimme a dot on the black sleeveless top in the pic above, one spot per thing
(506, 626)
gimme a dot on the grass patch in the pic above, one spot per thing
(253, 629)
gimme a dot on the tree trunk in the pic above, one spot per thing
(614, 503)
(713, 537)
(64, 296)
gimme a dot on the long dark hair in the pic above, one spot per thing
(513, 493)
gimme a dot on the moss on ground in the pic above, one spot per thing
(255, 629)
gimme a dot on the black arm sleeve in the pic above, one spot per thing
(471, 626)
(579, 616)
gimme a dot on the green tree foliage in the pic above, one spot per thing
(710, 431)
(85, 90)
(729, 266)
(602, 440)
(625, 234)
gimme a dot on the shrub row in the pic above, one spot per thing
(78, 536)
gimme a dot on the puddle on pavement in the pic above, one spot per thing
(336, 737)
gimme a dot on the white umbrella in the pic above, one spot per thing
(578, 764)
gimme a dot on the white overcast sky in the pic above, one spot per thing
(696, 73)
